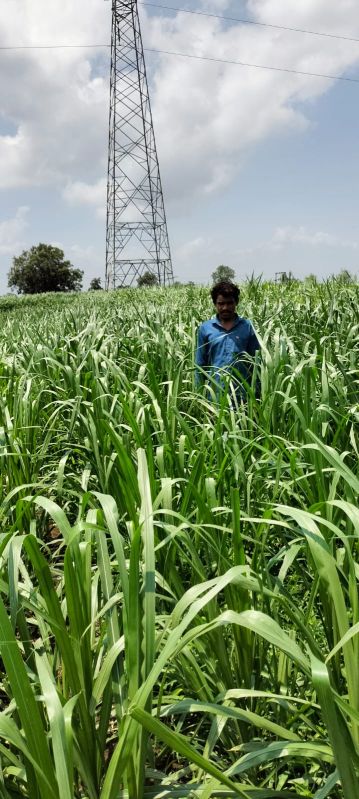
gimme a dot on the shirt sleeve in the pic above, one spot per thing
(201, 355)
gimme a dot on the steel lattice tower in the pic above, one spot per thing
(136, 228)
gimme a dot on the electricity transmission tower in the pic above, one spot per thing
(136, 228)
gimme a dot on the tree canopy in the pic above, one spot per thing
(223, 273)
(147, 279)
(95, 284)
(43, 268)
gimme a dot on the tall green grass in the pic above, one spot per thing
(179, 610)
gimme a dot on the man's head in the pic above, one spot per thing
(225, 296)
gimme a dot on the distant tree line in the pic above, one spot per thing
(43, 268)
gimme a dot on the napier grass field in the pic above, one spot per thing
(179, 605)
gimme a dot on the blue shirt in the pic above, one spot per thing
(221, 349)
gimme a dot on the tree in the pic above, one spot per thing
(147, 279)
(43, 268)
(223, 273)
(95, 284)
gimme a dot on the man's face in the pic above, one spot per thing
(225, 307)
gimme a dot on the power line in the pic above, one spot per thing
(51, 46)
(187, 55)
(255, 66)
(251, 22)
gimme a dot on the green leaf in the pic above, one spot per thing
(60, 743)
(27, 708)
(178, 743)
(226, 712)
(343, 748)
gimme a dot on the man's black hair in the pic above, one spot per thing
(227, 289)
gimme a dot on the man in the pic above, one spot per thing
(227, 343)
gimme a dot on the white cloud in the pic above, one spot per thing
(215, 6)
(191, 248)
(300, 235)
(285, 236)
(208, 116)
(81, 253)
(12, 230)
(316, 15)
(54, 99)
(91, 194)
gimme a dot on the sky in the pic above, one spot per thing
(259, 166)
